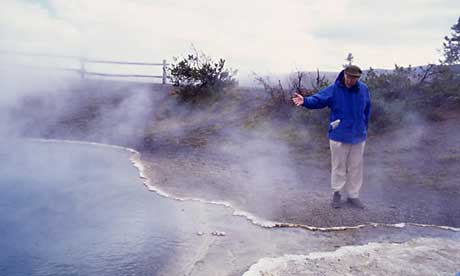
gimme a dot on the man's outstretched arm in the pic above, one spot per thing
(316, 101)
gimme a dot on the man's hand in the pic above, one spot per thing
(298, 99)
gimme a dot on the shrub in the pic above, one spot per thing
(423, 90)
(279, 112)
(197, 77)
(279, 97)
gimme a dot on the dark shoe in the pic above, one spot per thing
(355, 202)
(336, 200)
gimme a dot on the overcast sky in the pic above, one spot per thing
(262, 36)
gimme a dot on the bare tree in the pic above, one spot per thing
(296, 82)
(320, 82)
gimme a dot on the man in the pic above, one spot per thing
(349, 102)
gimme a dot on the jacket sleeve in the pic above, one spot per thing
(367, 113)
(319, 100)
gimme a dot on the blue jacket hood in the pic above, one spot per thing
(339, 81)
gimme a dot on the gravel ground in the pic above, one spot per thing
(411, 175)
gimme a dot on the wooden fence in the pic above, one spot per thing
(84, 61)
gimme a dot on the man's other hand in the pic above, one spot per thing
(298, 99)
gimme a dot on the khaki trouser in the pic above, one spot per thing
(347, 167)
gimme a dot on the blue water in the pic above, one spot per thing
(71, 209)
(82, 210)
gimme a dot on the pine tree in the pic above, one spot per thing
(349, 59)
(452, 45)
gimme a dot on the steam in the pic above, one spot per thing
(259, 165)
(217, 152)
(61, 105)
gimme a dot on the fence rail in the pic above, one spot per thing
(84, 61)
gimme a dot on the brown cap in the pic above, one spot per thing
(353, 70)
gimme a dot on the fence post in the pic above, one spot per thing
(164, 71)
(82, 67)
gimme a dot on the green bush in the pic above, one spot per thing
(197, 77)
(428, 90)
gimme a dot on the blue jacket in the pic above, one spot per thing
(351, 105)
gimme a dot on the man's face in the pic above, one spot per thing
(350, 81)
